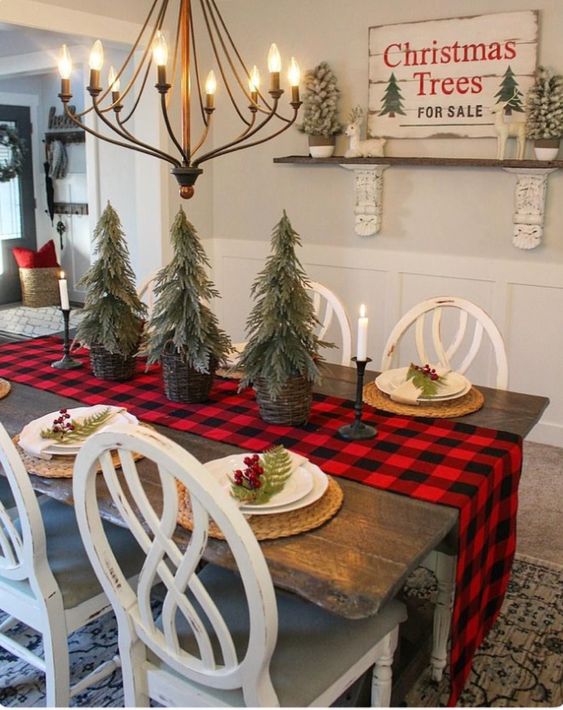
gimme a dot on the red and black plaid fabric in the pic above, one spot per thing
(473, 469)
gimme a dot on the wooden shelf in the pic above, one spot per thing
(423, 162)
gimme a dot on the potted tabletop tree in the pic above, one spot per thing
(320, 110)
(113, 314)
(281, 357)
(544, 105)
(183, 333)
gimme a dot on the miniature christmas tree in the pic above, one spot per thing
(392, 99)
(113, 314)
(509, 92)
(320, 102)
(182, 320)
(544, 104)
(281, 327)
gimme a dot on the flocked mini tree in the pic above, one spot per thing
(282, 343)
(320, 102)
(544, 104)
(182, 322)
(113, 315)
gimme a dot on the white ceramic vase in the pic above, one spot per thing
(546, 148)
(321, 146)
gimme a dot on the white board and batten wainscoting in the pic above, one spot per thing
(524, 299)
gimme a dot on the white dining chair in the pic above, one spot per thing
(458, 355)
(327, 305)
(46, 580)
(222, 637)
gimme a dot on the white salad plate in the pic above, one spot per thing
(455, 385)
(34, 428)
(305, 485)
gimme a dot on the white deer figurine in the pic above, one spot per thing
(372, 147)
(515, 129)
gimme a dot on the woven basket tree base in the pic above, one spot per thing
(271, 527)
(470, 402)
(57, 466)
(5, 388)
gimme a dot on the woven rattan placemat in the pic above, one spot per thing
(271, 527)
(56, 466)
(5, 388)
(470, 402)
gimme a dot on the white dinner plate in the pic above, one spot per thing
(298, 485)
(455, 385)
(34, 428)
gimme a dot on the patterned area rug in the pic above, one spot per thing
(35, 322)
(520, 664)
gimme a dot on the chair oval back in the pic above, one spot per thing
(327, 304)
(213, 660)
(20, 547)
(445, 353)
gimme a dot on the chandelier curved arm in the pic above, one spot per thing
(220, 63)
(244, 136)
(185, 156)
(203, 136)
(268, 108)
(222, 151)
(129, 136)
(204, 117)
(137, 145)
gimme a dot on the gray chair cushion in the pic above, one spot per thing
(67, 557)
(314, 647)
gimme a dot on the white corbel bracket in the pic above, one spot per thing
(369, 197)
(529, 194)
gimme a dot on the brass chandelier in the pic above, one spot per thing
(240, 85)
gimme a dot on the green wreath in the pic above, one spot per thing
(11, 168)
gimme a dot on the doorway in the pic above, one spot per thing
(17, 205)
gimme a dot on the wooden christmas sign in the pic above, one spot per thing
(443, 77)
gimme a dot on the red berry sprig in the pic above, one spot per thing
(62, 425)
(249, 477)
(427, 371)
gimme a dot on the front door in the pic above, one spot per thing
(17, 205)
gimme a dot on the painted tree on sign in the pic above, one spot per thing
(392, 99)
(509, 92)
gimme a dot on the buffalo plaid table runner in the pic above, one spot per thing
(473, 469)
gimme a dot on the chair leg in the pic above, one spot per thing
(57, 672)
(133, 656)
(445, 574)
(382, 676)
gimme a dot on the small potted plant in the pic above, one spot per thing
(183, 333)
(544, 104)
(320, 110)
(281, 358)
(113, 315)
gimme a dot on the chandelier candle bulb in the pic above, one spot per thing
(65, 69)
(114, 85)
(160, 57)
(274, 67)
(294, 76)
(96, 63)
(254, 84)
(362, 345)
(210, 89)
(63, 292)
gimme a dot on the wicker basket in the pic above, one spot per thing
(40, 287)
(111, 366)
(184, 384)
(291, 407)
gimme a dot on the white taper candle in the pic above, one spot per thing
(362, 345)
(63, 291)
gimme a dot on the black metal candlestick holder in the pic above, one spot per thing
(67, 363)
(358, 430)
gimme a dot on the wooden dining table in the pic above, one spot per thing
(354, 563)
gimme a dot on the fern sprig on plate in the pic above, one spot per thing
(262, 477)
(66, 430)
(425, 378)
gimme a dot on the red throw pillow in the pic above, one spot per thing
(45, 257)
